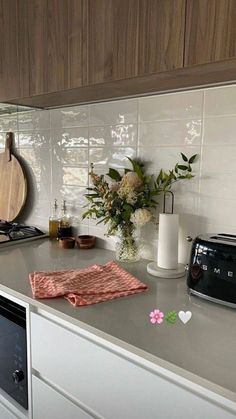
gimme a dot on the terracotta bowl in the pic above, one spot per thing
(67, 242)
(86, 241)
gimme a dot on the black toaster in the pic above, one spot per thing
(212, 268)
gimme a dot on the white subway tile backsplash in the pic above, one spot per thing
(8, 123)
(219, 158)
(34, 139)
(184, 105)
(167, 133)
(220, 130)
(218, 185)
(57, 147)
(220, 101)
(113, 113)
(218, 211)
(115, 157)
(74, 116)
(113, 135)
(166, 157)
(70, 137)
(33, 120)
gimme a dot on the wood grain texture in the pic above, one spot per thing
(161, 35)
(37, 38)
(113, 40)
(77, 42)
(210, 31)
(13, 187)
(23, 48)
(57, 45)
(9, 77)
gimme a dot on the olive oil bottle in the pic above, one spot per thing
(54, 221)
(64, 227)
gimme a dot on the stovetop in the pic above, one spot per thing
(11, 233)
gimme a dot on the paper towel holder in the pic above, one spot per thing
(152, 267)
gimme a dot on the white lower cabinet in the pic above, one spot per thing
(5, 413)
(106, 382)
(49, 404)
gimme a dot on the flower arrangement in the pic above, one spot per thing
(125, 201)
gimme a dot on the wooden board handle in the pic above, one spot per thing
(8, 144)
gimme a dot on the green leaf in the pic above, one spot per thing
(182, 167)
(114, 174)
(184, 157)
(137, 167)
(192, 159)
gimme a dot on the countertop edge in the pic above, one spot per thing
(192, 382)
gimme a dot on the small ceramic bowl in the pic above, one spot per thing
(67, 242)
(86, 242)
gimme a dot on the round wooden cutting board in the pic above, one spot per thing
(13, 184)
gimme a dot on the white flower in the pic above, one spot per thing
(128, 194)
(132, 180)
(141, 216)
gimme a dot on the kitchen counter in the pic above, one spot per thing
(202, 351)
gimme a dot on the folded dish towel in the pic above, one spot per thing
(86, 286)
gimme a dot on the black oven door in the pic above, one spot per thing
(13, 351)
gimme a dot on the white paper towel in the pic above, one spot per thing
(167, 255)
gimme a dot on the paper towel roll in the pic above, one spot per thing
(167, 255)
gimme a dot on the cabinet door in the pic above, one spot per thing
(210, 31)
(108, 384)
(161, 35)
(78, 42)
(57, 45)
(37, 39)
(48, 403)
(9, 78)
(113, 40)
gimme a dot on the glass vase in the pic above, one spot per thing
(127, 246)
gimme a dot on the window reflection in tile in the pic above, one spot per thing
(71, 156)
(72, 176)
(170, 133)
(32, 120)
(71, 137)
(34, 139)
(74, 116)
(8, 123)
(117, 157)
(115, 112)
(113, 135)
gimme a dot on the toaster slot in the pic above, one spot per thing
(225, 237)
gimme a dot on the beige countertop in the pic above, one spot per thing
(203, 350)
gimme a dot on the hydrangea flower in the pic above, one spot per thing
(156, 316)
(141, 217)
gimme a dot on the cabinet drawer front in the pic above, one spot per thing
(48, 403)
(110, 385)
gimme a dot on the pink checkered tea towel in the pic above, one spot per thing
(91, 285)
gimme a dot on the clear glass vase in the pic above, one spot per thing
(127, 245)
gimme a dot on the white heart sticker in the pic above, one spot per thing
(185, 316)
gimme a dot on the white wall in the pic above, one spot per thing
(57, 147)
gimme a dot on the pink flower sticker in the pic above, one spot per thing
(156, 316)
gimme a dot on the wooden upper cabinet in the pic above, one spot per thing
(112, 40)
(37, 44)
(210, 31)
(9, 75)
(77, 43)
(161, 35)
(57, 45)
